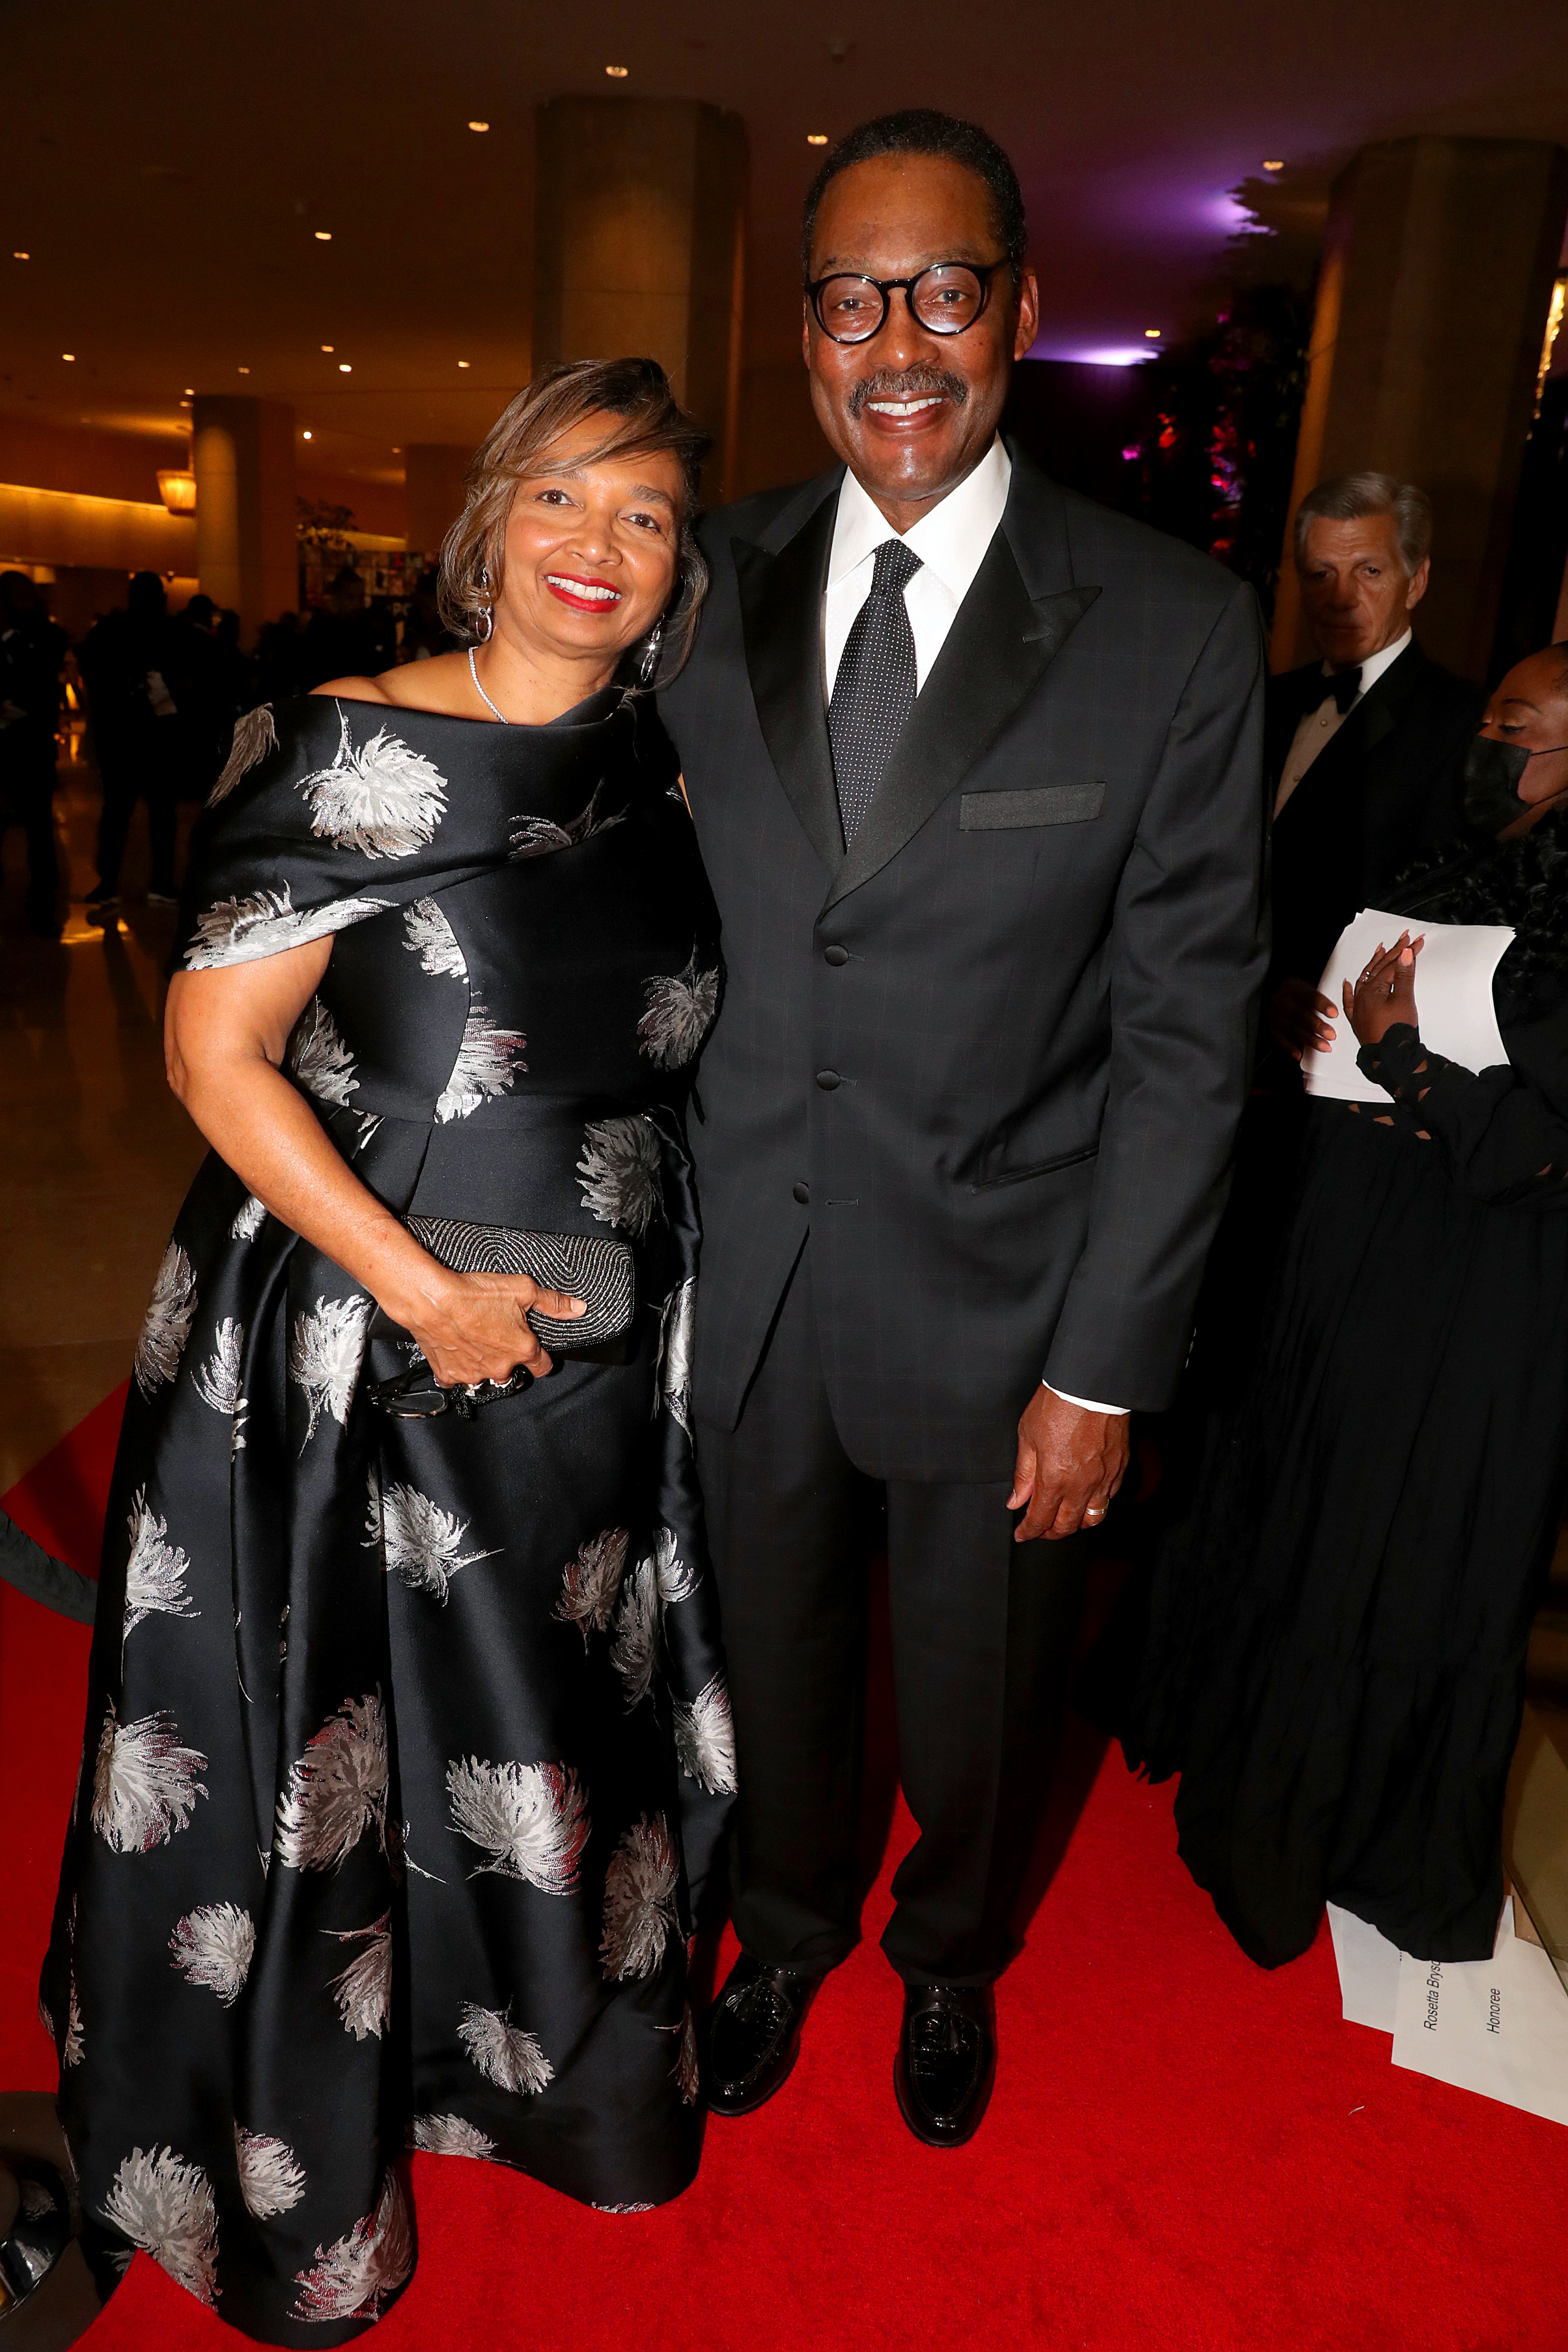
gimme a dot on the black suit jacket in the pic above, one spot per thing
(994, 1055)
(1386, 788)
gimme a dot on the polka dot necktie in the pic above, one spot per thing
(874, 691)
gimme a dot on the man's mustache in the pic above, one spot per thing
(907, 383)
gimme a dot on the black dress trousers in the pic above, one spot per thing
(983, 1635)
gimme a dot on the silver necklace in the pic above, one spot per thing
(478, 689)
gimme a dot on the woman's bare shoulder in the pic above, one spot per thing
(439, 685)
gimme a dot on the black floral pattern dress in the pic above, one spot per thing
(408, 1744)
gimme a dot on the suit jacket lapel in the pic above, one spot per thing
(780, 613)
(1001, 644)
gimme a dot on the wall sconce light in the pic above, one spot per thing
(178, 491)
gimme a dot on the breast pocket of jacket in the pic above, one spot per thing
(1048, 805)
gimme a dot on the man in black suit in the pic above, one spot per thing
(974, 766)
(1363, 750)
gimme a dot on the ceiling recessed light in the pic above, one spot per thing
(345, 367)
(479, 126)
(1153, 333)
(1279, 165)
(462, 362)
(245, 371)
(21, 257)
(190, 392)
(307, 434)
(329, 347)
(816, 138)
(323, 237)
(68, 355)
(617, 73)
(397, 449)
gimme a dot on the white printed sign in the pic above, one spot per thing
(1497, 2026)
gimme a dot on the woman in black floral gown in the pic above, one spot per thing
(407, 1743)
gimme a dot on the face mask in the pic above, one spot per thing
(1493, 774)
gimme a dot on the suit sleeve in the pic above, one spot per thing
(1188, 952)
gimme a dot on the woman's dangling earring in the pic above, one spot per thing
(649, 662)
(489, 614)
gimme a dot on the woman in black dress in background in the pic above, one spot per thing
(408, 1740)
(1334, 1654)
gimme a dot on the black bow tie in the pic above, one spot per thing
(1345, 685)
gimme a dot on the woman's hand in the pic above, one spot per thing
(1299, 1016)
(474, 1327)
(1385, 995)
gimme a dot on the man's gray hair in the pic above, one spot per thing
(1346, 498)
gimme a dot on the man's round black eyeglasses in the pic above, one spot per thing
(944, 299)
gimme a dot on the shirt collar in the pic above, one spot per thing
(1373, 668)
(950, 540)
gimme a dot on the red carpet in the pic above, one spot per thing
(1183, 2154)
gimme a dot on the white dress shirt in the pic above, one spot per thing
(1319, 727)
(951, 541)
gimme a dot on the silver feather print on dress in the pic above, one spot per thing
(145, 1784)
(319, 1057)
(590, 1582)
(449, 2135)
(686, 2070)
(705, 1740)
(271, 2177)
(165, 2206)
(254, 736)
(639, 1900)
(537, 836)
(530, 1819)
(325, 1349)
(166, 1325)
(619, 1174)
(431, 938)
(382, 797)
(336, 1791)
(423, 1543)
(673, 1578)
(213, 1947)
(504, 2054)
(680, 1009)
(363, 1991)
(75, 2045)
(356, 2275)
(217, 1382)
(634, 1644)
(676, 1332)
(250, 1218)
(156, 1571)
(265, 922)
(488, 1063)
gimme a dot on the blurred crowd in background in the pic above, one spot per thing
(160, 691)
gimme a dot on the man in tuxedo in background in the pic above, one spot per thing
(1364, 749)
(974, 766)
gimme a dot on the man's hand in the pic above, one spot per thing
(1070, 1464)
(1297, 1018)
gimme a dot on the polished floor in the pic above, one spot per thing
(96, 1154)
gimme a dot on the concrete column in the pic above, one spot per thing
(640, 248)
(1432, 304)
(246, 550)
(433, 476)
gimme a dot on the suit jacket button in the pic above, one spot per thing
(827, 1080)
(835, 955)
(802, 1194)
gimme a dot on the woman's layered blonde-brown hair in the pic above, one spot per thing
(641, 415)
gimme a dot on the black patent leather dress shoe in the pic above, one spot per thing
(947, 2061)
(754, 2034)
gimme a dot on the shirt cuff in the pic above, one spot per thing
(1087, 1404)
